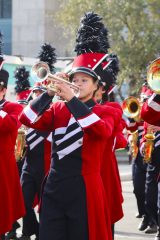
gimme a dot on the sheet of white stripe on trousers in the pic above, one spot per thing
(67, 136)
(38, 140)
(70, 148)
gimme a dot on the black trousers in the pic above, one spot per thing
(158, 200)
(63, 213)
(31, 185)
(158, 204)
(139, 178)
(151, 194)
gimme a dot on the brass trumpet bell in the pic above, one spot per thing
(131, 107)
(40, 72)
(153, 75)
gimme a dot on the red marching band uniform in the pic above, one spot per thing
(93, 128)
(75, 199)
(10, 190)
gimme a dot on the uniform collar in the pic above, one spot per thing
(90, 103)
(2, 102)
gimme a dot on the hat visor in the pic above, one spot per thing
(22, 102)
(87, 71)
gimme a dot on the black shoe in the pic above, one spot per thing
(158, 233)
(157, 237)
(144, 224)
(151, 229)
(138, 215)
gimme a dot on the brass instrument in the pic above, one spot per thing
(131, 107)
(133, 143)
(20, 143)
(149, 145)
(153, 75)
(40, 73)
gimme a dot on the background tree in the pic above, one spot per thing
(134, 32)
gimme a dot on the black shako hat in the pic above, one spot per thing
(4, 75)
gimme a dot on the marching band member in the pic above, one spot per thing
(22, 90)
(151, 187)
(152, 169)
(143, 180)
(94, 41)
(135, 131)
(150, 114)
(74, 187)
(69, 200)
(10, 190)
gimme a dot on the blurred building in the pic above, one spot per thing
(26, 25)
(6, 24)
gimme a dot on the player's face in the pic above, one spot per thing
(86, 84)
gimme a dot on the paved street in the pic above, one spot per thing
(126, 229)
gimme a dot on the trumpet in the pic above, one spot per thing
(153, 75)
(149, 145)
(131, 107)
(40, 73)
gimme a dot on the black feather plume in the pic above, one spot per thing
(92, 35)
(47, 54)
(22, 82)
(1, 44)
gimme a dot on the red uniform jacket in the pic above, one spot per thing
(109, 168)
(151, 110)
(95, 126)
(11, 198)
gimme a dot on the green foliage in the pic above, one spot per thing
(134, 28)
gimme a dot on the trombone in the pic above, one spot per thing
(40, 72)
